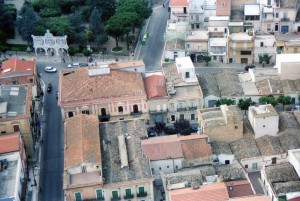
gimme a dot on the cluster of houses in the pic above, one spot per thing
(19, 125)
(232, 31)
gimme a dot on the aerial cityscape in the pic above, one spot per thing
(150, 100)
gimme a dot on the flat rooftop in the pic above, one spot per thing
(138, 165)
(8, 180)
(263, 111)
(192, 91)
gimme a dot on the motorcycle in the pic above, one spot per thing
(49, 88)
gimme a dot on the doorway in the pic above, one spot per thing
(244, 60)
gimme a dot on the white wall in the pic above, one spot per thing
(223, 157)
(170, 54)
(163, 164)
(267, 185)
(293, 159)
(262, 161)
(208, 98)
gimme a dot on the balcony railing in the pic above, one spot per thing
(127, 197)
(285, 19)
(158, 111)
(193, 108)
(104, 116)
(136, 113)
(115, 199)
(144, 194)
(181, 109)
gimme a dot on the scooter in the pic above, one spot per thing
(49, 88)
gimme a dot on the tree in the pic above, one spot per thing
(72, 51)
(267, 100)
(27, 22)
(284, 100)
(86, 52)
(115, 27)
(59, 26)
(206, 59)
(224, 101)
(265, 58)
(96, 25)
(108, 7)
(7, 18)
(244, 104)
(182, 126)
(159, 127)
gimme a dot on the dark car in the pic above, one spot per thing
(151, 133)
(170, 131)
(194, 129)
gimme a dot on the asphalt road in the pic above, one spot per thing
(151, 53)
(51, 177)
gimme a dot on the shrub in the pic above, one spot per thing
(50, 12)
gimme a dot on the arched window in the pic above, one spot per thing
(70, 114)
(135, 109)
(120, 109)
(85, 112)
(103, 111)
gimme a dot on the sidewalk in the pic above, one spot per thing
(229, 65)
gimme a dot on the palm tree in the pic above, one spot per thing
(264, 59)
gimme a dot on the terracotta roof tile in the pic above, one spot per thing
(175, 3)
(160, 148)
(120, 65)
(252, 198)
(82, 140)
(15, 65)
(209, 192)
(223, 7)
(155, 86)
(239, 188)
(9, 143)
(195, 148)
(78, 85)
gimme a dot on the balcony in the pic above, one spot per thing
(115, 199)
(107, 116)
(193, 108)
(179, 109)
(96, 199)
(158, 111)
(285, 19)
(127, 197)
(136, 113)
(144, 194)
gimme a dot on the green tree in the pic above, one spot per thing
(159, 127)
(72, 51)
(244, 104)
(86, 52)
(115, 27)
(264, 58)
(224, 101)
(182, 126)
(89, 35)
(96, 25)
(284, 100)
(108, 7)
(59, 26)
(206, 59)
(7, 18)
(267, 100)
(27, 22)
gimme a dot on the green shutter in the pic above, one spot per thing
(99, 194)
(115, 194)
(78, 196)
(141, 190)
(128, 192)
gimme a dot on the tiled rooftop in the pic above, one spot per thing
(155, 86)
(239, 188)
(245, 148)
(289, 139)
(288, 3)
(120, 65)
(287, 120)
(82, 142)
(179, 3)
(221, 147)
(223, 7)
(171, 73)
(185, 175)
(287, 36)
(10, 143)
(230, 172)
(269, 145)
(175, 44)
(16, 67)
(77, 85)
(138, 165)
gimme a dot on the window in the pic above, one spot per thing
(115, 194)
(276, 15)
(236, 127)
(31, 80)
(295, 50)
(16, 128)
(3, 132)
(167, 166)
(192, 117)
(264, 125)
(152, 170)
(141, 190)
(254, 166)
(188, 46)
(215, 29)
(85, 112)
(120, 109)
(15, 82)
(180, 105)
(135, 109)
(245, 52)
(103, 111)
(199, 46)
(227, 161)
(159, 168)
(99, 194)
(128, 192)
(274, 160)
(173, 117)
(246, 166)
(78, 196)
(215, 58)
(261, 44)
(269, 2)
(176, 167)
(187, 74)
(172, 105)
(181, 116)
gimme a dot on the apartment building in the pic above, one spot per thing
(196, 44)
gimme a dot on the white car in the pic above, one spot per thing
(50, 69)
(74, 65)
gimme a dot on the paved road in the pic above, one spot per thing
(255, 180)
(51, 178)
(151, 53)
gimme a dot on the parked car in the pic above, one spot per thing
(194, 129)
(83, 64)
(151, 133)
(170, 131)
(50, 69)
(74, 65)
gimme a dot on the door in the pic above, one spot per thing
(244, 60)
(158, 118)
(284, 29)
(276, 27)
(16, 128)
(293, 100)
(274, 160)
(212, 103)
(298, 29)
(254, 166)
